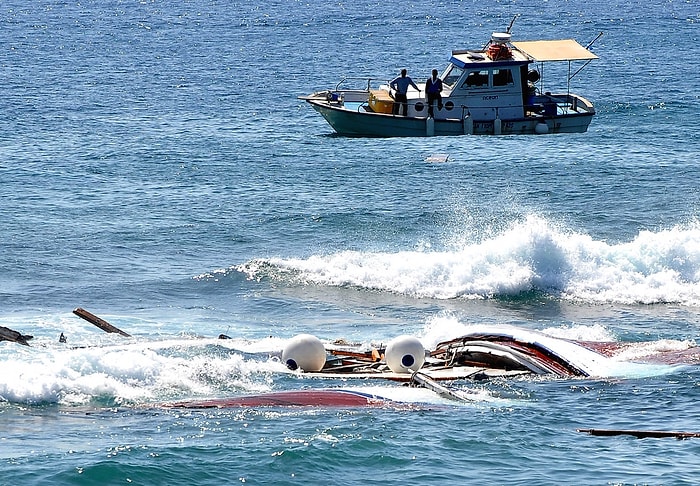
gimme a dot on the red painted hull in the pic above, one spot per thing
(294, 398)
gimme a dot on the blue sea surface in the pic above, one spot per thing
(158, 169)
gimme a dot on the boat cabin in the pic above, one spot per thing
(491, 89)
(497, 82)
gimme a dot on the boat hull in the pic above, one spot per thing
(361, 123)
(292, 398)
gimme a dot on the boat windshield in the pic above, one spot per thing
(451, 75)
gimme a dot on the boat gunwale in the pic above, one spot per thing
(590, 111)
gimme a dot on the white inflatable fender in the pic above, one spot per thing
(305, 352)
(404, 354)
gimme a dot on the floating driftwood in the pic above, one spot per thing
(640, 434)
(7, 334)
(101, 323)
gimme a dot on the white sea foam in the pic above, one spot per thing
(531, 255)
(130, 373)
(473, 395)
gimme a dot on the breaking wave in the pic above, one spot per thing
(134, 373)
(530, 256)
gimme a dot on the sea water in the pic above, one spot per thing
(158, 169)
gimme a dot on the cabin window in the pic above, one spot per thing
(502, 77)
(477, 79)
(452, 75)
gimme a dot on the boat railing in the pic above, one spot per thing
(356, 78)
(559, 103)
(571, 102)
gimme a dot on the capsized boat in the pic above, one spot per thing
(481, 354)
(498, 89)
(478, 355)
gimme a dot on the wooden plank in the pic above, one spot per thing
(640, 434)
(438, 374)
(101, 323)
(425, 381)
(372, 356)
(7, 334)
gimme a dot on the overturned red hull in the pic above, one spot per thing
(293, 398)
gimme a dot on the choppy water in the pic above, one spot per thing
(157, 168)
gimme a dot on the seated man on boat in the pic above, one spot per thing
(400, 85)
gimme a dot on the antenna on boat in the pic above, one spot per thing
(510, 26)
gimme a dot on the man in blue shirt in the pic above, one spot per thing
(400, 85)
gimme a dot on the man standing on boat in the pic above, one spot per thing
(433, 87)
(400, 85)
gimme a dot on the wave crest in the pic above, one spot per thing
(531, 255)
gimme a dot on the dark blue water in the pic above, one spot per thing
(158, 169)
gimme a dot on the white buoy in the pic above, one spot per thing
(500, 37)
(305, 352)
(541, 128)
(404, 354)
(497, 126)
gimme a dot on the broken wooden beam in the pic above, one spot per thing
(7, 334)
(101, 323)
(640, 434)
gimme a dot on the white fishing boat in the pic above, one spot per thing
(495, 90)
